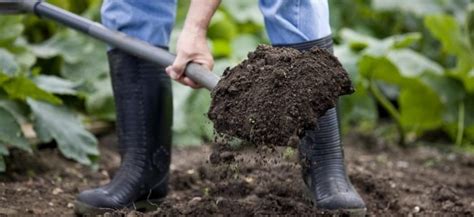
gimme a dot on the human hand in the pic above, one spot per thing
(191, 47)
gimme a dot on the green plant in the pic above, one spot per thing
(28, 96)
(428, 96)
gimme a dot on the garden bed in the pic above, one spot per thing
(392, 181)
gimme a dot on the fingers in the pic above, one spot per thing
(176, 71)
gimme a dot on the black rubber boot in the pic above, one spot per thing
(322, 159)
(143, 101)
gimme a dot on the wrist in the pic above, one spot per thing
(195, 29)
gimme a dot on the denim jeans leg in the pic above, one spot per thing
(148, 20)
(295, 21)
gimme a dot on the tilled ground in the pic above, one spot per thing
(417, 181)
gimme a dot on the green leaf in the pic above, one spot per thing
(22, 87)
(222, 27)
(11, 27)
(418, 7)
(100, 103)
(349, 60)
(358, 107)
(4, 150)
(242, 45)
(19, 110)
(243, 11)
(356, 40)
(54, 84)
(191, 106)
(60, 123)
(378, 47)
(450, 90)
(21, 50)
(68, 44)
(412, 64)
(446, 29)
(379, 68)
(470, 25)
(405, 40)
(91, 66)
(10, 131)
(8, 65)
(420, 108)
(221, 48)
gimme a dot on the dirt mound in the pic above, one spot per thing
(276, 93)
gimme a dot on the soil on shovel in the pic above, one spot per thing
(276, 93)
(420, 181)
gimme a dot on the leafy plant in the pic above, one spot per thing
(428, 96)
(32, 93)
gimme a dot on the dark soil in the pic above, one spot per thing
(277, 93)
(422, 181)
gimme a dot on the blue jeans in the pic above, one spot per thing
(286, 21)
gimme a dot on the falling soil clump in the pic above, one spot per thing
(276, 93)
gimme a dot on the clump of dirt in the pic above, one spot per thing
(276, 93)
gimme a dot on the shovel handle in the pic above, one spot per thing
(116, 39)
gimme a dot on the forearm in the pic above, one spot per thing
(192, 45)
(199, 15)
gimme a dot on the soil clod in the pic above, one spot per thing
(277, 93)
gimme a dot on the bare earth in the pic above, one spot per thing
(392, 181)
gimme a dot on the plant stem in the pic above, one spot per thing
(460, 133)
(387, 105)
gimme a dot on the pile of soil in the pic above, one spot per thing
(419, 181)
(277, 93)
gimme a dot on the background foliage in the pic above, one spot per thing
(411, 62)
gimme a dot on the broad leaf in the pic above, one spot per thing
(379, 68)
(22, 87)
(470, 25)
(420, 108)
(8, 65)
(221, 48)
(100, 103)
(418, 7)
(356, 40)
(446, 29)
(19, 110)
(405, 40)
(21, 50)
(242, 45)
(62, 124)
(92, 65)
(243, 11)
(4, 150)
(378, 47)
(54, 84)
(11, 27)
(222, 27)
(68, 44)
(358, 107)
(412, 64)
(450, 90)
(10, 131)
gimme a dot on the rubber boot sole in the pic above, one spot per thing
(83, 209)
(355, 212)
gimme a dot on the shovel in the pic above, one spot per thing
(119, 40)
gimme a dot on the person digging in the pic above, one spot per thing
(144, 107)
